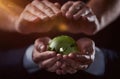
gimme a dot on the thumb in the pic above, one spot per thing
(42, 43)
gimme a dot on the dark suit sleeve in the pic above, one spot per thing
(11, 63)
(112, 66)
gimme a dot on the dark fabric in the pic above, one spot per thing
(11, 64)
(11, 67)
(79, 75)
(112, 68)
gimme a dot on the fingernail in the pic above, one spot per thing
(40, 47)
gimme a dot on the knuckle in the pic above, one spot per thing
(51, 70)
(46, 8)
(63, 8)
(51, 5)
(69, 2)
(78, 2)
(37, 41)
(28, 6)
(34, 2)
(42, 65)
(87, 8)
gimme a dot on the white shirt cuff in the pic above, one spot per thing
(28, 63)
(98, 66)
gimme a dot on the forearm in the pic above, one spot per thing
(105, 10)
(8, 15)
(6, 22)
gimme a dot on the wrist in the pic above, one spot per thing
(98, 66)
(28, 62)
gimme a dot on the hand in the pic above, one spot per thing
(79, 60)
(80, 18)
(38, 16)
(47, 60)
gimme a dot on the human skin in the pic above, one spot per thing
(15, 23)
(106, 11)
(37, 16)
(63, 64)
(47, 60)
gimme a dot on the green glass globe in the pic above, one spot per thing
(63, 45)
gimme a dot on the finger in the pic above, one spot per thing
(63, 72)
(81, 59)
(58, 71)
(90, 16)
(72, 55)
(45, 40)
(45, 9)
(49, 62)
(72, 71)
(32, 9)
(55, 67)
(59, 55)
(41, 44)
(66, 7)
(82, 67)
(29, 17)
(43, 56)
(63, 69)
(41, 47)
(72, 63)
(77, 6)
(86, 46)
(57, 5)
(65, 56)
(26, 18)
(52, 6)
(84, 59)
(82, 13)
(81, 63)
(68, 69)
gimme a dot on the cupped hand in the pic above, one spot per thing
(47, 60)
(80, 18)
(79, 60)
(38, 16)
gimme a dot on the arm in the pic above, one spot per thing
(91, 17)
(8, 15)
(105, 10)
(100, 61)
(112, 64)
(22, 62)
(38, 16)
